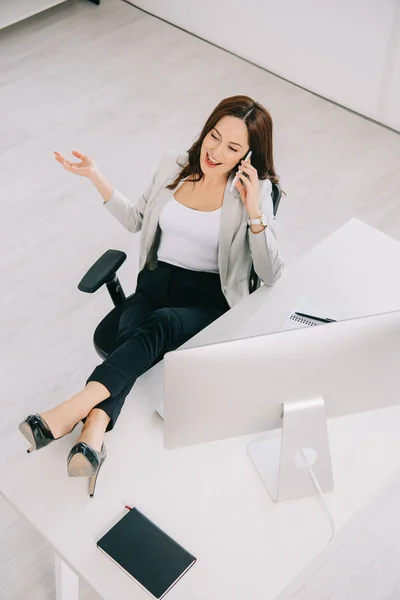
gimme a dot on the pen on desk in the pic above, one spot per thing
(315, 318)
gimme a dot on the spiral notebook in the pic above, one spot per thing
(295, 321)
(309, 314)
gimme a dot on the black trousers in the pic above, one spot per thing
(170, 305)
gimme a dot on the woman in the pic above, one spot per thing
(199, 241)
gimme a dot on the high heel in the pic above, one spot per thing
(85, 461)
(37, 432)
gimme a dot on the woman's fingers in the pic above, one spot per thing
(239, 185)
(249, 169)
(68, 165)
(63, 161)
(62, 158)
(83, 167)
(244, 181)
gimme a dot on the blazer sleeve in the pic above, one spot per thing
(267, 260)
(128, 214)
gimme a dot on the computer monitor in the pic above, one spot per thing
(238, 387)
(292, 379)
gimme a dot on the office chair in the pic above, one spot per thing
(104, 271)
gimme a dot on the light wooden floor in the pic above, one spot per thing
(124, 87)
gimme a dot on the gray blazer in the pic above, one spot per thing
(238, 245)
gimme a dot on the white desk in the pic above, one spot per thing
(209, 497)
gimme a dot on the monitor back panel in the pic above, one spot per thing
(235, 388)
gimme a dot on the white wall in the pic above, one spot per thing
(12, 11)
(345, 50)
(390, 90)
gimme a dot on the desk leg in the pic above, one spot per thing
(67, 582)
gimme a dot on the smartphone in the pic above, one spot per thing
(241, 172)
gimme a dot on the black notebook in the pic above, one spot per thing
(146, 553)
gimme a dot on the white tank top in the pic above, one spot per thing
(189, 237)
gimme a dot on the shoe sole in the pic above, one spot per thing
(28, 435)
(79, 466)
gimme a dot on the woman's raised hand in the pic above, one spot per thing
(86, 167)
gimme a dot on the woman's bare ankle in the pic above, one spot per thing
(59, 422)
(94, 428)
(62, 418)
(97, 391)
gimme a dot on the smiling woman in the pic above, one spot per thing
(237, 124)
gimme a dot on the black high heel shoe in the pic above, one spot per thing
(85, 461)
(37, 432)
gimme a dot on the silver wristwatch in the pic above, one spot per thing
(261, 220)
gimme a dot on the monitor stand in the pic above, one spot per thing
(284, 463)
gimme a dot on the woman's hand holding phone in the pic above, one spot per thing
(235, 180)
(249, 187)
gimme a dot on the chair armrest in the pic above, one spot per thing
(102, 272)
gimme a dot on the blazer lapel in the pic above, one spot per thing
(229, 215)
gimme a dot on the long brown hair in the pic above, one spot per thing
(259, 127)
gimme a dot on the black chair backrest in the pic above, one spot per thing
(276, 194)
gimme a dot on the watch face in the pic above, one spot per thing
(263, 220)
